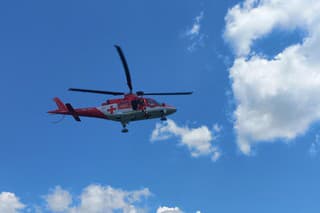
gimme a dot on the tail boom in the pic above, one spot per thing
(67, 109)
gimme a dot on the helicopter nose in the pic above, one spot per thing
(171, 110)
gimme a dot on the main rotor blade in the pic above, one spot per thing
(96, 91)
(167, 93)
(125, 65)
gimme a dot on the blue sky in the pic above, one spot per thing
(48, 46)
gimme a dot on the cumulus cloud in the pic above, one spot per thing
(164, 209)
(58, 200)
(197, 140)
(194, 34)
(277, 97)
(10, 203)
(253, 19)
(97, 198)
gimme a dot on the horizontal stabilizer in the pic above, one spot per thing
(73, 112)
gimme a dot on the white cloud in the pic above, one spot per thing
(253, 19)
(10, 203)
(198, 140)
(194, 34)
(97, 198)
(59, 200)
(315, 146)
(195, 29)
(164, 209)
(278, 97)
(217, 128)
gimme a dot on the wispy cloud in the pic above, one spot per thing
(315, 146)
(195, 29)
(165, 209)
(194, 34)
(198, 140)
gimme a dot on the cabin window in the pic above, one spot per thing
(137, 104)
(123, 105)
(134, 104)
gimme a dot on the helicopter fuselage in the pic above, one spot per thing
(124, 110)
(134, 108)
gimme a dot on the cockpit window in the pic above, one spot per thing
(152, 102)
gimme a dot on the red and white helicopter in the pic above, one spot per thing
(132, 107)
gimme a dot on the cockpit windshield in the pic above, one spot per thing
(152, 102)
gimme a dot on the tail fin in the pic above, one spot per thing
(60, 104)
(64, 109)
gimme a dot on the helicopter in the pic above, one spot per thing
(132, 107)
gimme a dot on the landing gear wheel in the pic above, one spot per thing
(124, 130)
(124, 125)
(146, 115)
(163, 118)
